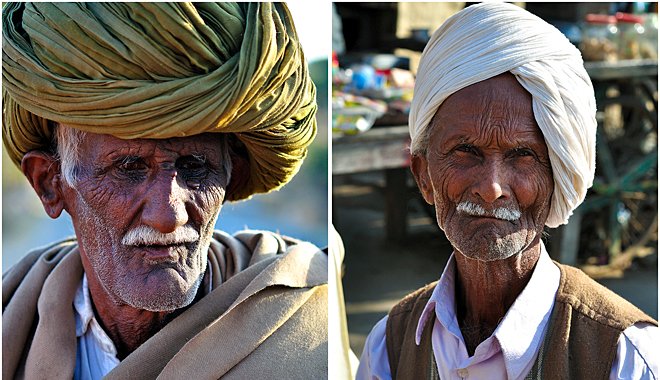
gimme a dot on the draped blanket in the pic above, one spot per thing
(266, 316)
(160, 70)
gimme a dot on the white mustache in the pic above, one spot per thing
(145, 235)
(499, 213)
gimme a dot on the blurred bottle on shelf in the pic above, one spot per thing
(635, 42)
(600, 38)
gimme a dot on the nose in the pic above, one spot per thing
(165, 204)
(491, 183)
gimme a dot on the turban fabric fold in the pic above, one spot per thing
(485, 40)
(158, 70)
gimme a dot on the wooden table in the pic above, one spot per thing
(633, 68)
(381, 148)
(376, 149)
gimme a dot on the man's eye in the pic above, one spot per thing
(132, 166)
(522, 152)
(192, 166)
(467, 148)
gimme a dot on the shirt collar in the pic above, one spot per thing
(443, 302)
(86, 322)
(521, 330)
(82, 304)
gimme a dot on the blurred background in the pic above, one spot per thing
(300, 209)
(393, 245)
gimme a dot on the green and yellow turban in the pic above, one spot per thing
(157, 70)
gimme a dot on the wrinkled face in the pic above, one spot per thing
(144, 212)
(487, 170)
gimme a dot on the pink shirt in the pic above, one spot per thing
(511, 351)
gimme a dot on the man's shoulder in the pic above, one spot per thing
(48, 255)
(264, 239)
(286, 260)
(595, 301)
(409, 302)
(403, 317)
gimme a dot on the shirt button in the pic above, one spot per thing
(462, 373)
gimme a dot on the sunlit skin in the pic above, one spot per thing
(163, 184)
(485, 147)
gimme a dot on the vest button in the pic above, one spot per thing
(462, 373)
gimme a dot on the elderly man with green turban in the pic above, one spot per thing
(140, 120)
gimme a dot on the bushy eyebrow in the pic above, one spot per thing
(199, 156)
(126, 159)
(519, 140)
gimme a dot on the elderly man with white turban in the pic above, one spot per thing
(503, 135)
(140, 120)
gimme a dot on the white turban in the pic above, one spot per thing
(489, 39)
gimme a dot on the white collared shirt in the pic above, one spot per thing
(512, 349)
(96, 354)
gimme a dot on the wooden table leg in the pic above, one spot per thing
(396, 204)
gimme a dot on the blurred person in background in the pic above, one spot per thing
(140, 120)
(503, 135)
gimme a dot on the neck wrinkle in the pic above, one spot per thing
(486, 290)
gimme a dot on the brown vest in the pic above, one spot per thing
(580, 342)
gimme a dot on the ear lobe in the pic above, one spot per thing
(43, 172)
(240, 172)
(419, 168)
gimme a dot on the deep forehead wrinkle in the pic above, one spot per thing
(488, 112)
(501, 136)
(174, 147)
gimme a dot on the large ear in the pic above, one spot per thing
(419, 168)
(240, 166)
(43, 172)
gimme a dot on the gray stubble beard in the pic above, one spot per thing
(499, 248)
(494, 248)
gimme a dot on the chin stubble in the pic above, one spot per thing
(498, 248)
